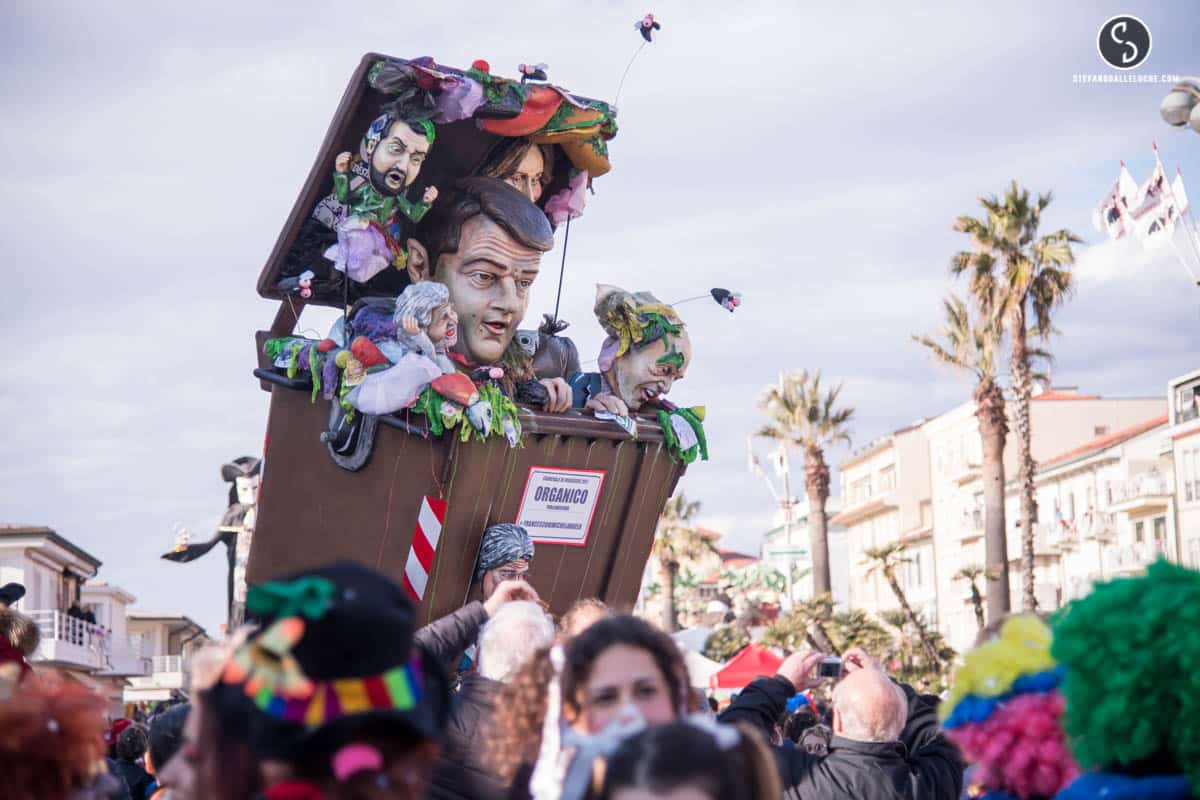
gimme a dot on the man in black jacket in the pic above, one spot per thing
(886, 744)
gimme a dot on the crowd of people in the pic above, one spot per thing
(334, 692)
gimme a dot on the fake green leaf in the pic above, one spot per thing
(307, 597)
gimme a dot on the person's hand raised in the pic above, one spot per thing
(800, 669)
(507, 592)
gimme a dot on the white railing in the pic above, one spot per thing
(67, 638)
(167, 663)
(128, 658)
(1132, 556)
(1146, 485)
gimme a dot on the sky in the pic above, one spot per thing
(813, 159)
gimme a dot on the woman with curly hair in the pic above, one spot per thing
(694, 760)
(573, 704)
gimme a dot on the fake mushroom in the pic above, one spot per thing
(457, 388)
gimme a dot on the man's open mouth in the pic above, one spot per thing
(648, 394)
(395, 176)
(451, 333)
(496, 328)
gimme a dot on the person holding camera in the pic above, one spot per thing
(886, 742)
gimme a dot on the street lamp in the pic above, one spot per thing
(783, 499)
(1182, 106)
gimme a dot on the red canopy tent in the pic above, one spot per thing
(751, 662)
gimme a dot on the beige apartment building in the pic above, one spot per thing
(1183, 394)
(923, 485)
(885, 499)
(1107, 508)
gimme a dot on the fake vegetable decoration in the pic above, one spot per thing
(683, 431)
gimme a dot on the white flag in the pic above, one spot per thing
(1127, 188)
(1179, 194)
(1147, 215)
(1112, 215)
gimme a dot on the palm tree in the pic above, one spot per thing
(972, 573)
(855, 628)
(799, 415)
(1019, 275)
(886, 560)
(676, 542)
(974, 347)
(804, 626)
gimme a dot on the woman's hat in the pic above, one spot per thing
(333, 654)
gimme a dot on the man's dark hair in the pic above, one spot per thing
(131, 744)
(166, 734)
(496, 200)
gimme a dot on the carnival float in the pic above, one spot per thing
(426, 414)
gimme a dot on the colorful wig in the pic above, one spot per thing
(1004, 711)
(1131, 650)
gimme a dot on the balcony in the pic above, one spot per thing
(971, 525)
(858, 509)
(964, 471)
(1050, 539)
(167, 675)
(70, 642)
(126, 659)
(1146, 492)
(1131, 559)
(1098, 525)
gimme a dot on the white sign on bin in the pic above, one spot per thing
(559, 504)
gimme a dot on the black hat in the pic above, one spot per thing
(11, 593)
(333, 657)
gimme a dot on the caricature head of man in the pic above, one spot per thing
(485, 243)
(647, 349)
(395, 147)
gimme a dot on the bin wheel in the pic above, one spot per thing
(350, 442)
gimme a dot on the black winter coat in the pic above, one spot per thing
(446, 638)
(923, 765)
(461, 773)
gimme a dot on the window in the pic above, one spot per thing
(887, 479)
(1160, 534)
(1071, 507)
(1100, 430)
(1187, 401)
(1190, 462)
(860, 490)
(1108, 493)
(1139, 532)
(916, 572)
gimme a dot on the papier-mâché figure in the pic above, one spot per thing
(426, 327)
(426, 322)
(523, 165)
(370, 195)
(646, 351)
(485, 244)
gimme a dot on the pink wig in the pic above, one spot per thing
(1020, 747)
